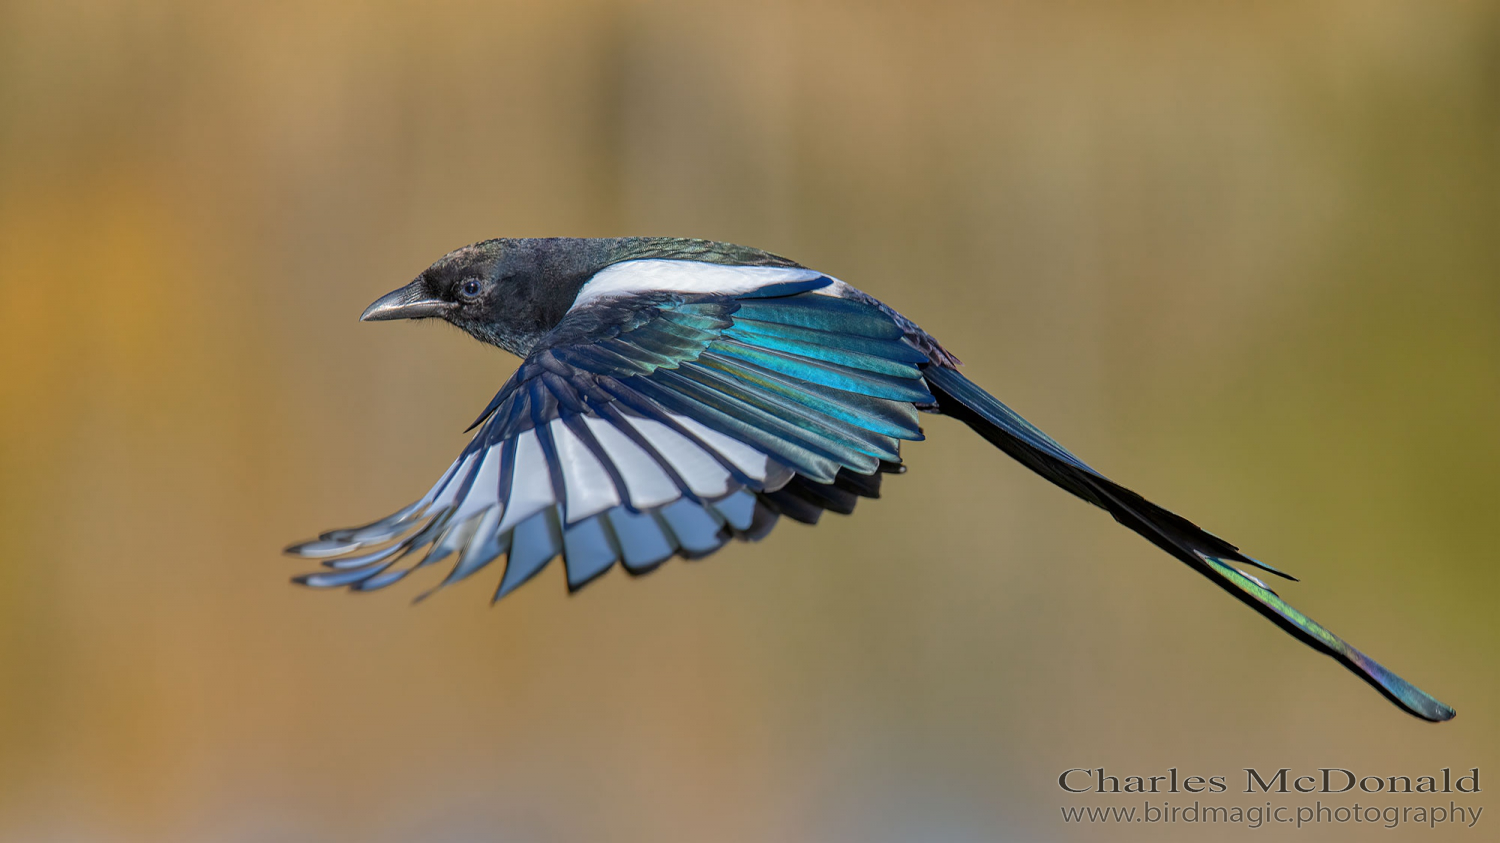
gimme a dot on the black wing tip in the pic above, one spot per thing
(501, 591)
(647, 567)
(580, 585)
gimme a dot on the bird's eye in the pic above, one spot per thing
(469, 289)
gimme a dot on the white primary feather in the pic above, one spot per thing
(701, 471)
(443, 493)
(588, 486)
(487, 544)
(531, 486)
(648, 276)
(755, 465)
(484, 491)
(648, 484)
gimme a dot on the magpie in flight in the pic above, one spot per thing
(675, 394)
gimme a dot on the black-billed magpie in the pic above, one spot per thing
(675, 394)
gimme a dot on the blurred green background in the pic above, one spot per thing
(1240, 256)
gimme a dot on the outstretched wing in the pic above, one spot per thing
(646, 427)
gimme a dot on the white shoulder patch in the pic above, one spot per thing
(654, 275)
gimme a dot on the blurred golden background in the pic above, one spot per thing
(1240, 256)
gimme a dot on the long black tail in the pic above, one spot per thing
(1202, 551)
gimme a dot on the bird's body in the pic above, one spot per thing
(676, 394)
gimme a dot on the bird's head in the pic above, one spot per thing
(507, 293)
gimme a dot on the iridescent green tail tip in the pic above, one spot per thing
(1264, 600)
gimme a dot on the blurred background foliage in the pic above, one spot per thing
(1241, 256)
